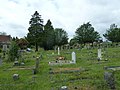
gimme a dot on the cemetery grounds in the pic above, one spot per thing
(86, 74)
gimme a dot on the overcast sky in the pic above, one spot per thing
(66, 14)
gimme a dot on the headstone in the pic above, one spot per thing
(16, 63)
(15, 76)
(37, 62)
(58, 51)
(99, 54)
(64, 88)
(22, 63)
(5, 48)
(73, 57)
(35, 70)
(109, 78)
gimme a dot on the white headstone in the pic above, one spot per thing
(99, 54)
(4, 47)
(73, 57)
(58, 51)
(64, 88)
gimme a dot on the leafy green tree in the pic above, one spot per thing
(86, 34)
(35, 34)
(13, 51)
(48, 36)
(15, 39)
(61, 37)
(113, 33)
(73, 41)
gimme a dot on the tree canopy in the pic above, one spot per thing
(113, 33)
(61, 37)
(86, 34)
(35, 30)
(49, 36)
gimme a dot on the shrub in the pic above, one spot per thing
(13, 51)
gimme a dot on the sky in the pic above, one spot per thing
(67, 14)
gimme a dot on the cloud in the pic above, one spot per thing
(16, 26)
(15, 1)
(66, 14)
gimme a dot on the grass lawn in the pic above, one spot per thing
(86, 74)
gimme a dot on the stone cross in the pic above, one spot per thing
(73, 57)
(58, 51)
(99, 54)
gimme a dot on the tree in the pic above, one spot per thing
(48, 36)
(61, 37)
(73, 41)
(13, 51)
(15, 39)
(86, 34)
(113, 33)
(35, 30)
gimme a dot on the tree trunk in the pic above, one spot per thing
(36, 47)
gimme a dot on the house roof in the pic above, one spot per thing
(5, 38)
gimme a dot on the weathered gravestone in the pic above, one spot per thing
(22, 63)
(58, 51)
(99, 54)
(16, 62)
(35, 70)
(15, 76)
(110, 80)
(64, 88)
(73, 57)
(4, 48)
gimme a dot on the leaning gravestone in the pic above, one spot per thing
(109, 78)
(73, 57)
(99, 55)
